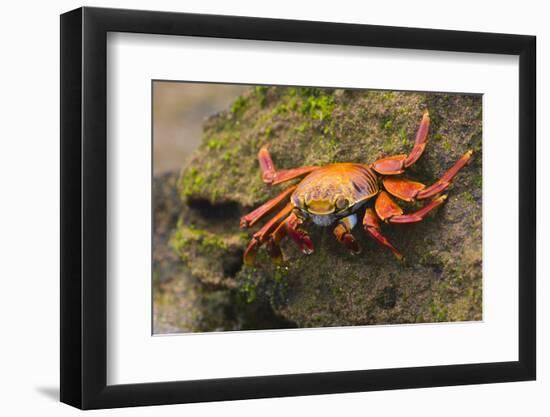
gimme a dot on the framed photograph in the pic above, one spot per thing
(257, 208)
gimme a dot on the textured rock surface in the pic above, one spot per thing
(183, 303)
(441, 278)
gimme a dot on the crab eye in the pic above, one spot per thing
(341, 203)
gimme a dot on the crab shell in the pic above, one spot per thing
(334, 191)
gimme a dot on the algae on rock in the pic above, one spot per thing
(441, 278)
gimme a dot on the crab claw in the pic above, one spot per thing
(274, 251)
(349, 241)
(302, 239)
(249, 256)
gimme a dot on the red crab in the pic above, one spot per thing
(332, 195)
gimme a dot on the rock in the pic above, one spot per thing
(166, 209)
(441, 279)
(183, 303)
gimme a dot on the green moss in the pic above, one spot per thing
(439, 311)
(390, 145)
(387, 95)
(478, 181)
(248, 285)
(217, 143)
(404, 110)
(302, 127)
(429, 257)
(230, 156)
(403, 137)
(188, 234)
(280, 109)
(292, 103)
(329, 130)
(388, 125)
(318, 107)
(261, 92)
(280, 274)
(239, 105)
(461, 308)
(245, 237)
(307, 91)
(192, 182)
(179, 242)
(468, 197)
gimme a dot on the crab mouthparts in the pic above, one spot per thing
(320, 207)
(323, 221)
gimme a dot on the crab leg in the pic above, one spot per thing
(388, 210)
(299, 236)
(445, 180)
(404, 189)
(254, 216)
(272, 245)
(342, 231)
(420, 214)
(396, 164)
(411, 190)
(271, 176)
(261, 235)
(385, 207)
(289, 227)
(274, 250)
(420, 140)
(371, 226)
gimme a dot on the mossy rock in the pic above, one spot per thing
(441, 279)
(184, 303)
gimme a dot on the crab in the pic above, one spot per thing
(333, 195)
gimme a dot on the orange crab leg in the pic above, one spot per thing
(446, 179)
(289, 227)
(385, 207)
(249, 257)
(342, 231)
(271, 176)
(300, 237)
(391, 165)
(408, 190)
(420, 140)
(389, 211)
(274, 251)
(401, 188)
(254, 216)
(261, 235)
(420, 214)
(272, 244)
(371, 226)
(396, 164)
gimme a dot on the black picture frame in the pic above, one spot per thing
(84, 207)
